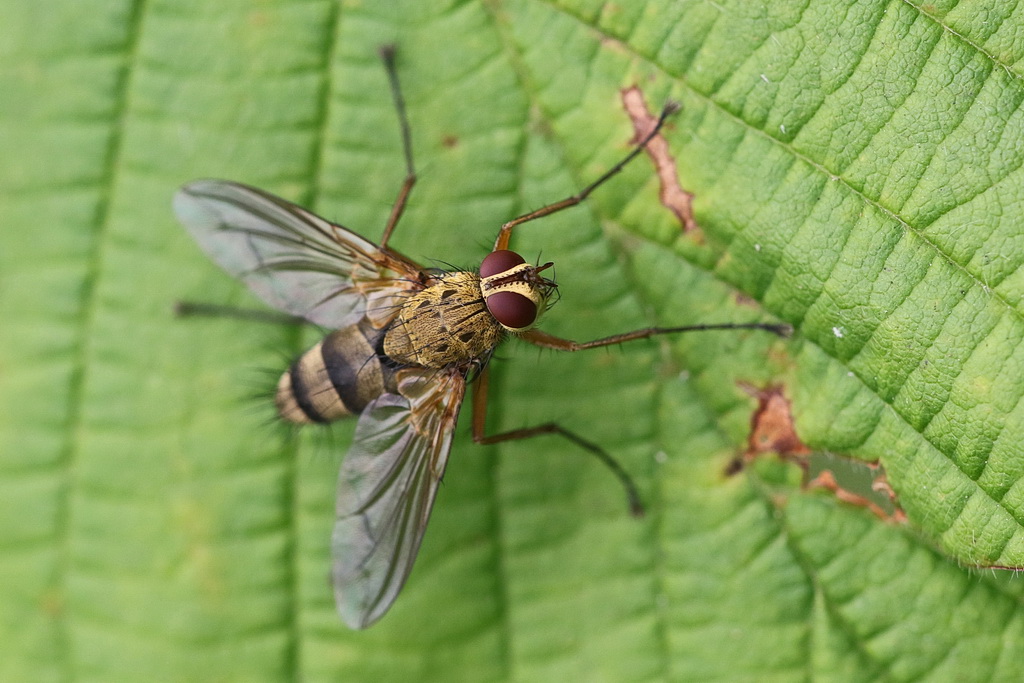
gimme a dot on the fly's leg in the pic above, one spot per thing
(188, 309)
(505, 234)
(542, 339)
(387, 54)
(480, 436)
(548, 341)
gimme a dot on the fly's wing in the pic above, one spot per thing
(386, 489)
(293, 259)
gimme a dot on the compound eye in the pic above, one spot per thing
(512, 310)
(499, 261)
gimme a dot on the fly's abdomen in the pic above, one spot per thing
(334, 379)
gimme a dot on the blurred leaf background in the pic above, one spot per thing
(857, 172)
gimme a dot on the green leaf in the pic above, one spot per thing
(856, 168)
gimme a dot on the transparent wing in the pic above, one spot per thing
(386, 489)
(293, 259)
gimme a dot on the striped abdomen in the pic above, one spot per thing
(335, 378)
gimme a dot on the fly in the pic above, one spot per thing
(407, 341)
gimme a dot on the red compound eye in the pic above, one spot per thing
(500, 261)
(511, 309)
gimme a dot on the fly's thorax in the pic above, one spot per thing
(336, 378)
(513, 290)
(444, 324)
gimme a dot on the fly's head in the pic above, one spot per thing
(514, 291)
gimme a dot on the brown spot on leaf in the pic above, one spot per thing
(52, 603)
(734, 467)
(450, 141)
(771, 426)
(742, 299)
(673, 197)
(771, 430)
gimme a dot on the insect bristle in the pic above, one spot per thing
(262, 399)
(259, 391)
(449, 267)
(392, 308)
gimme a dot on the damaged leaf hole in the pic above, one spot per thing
(851, 481)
